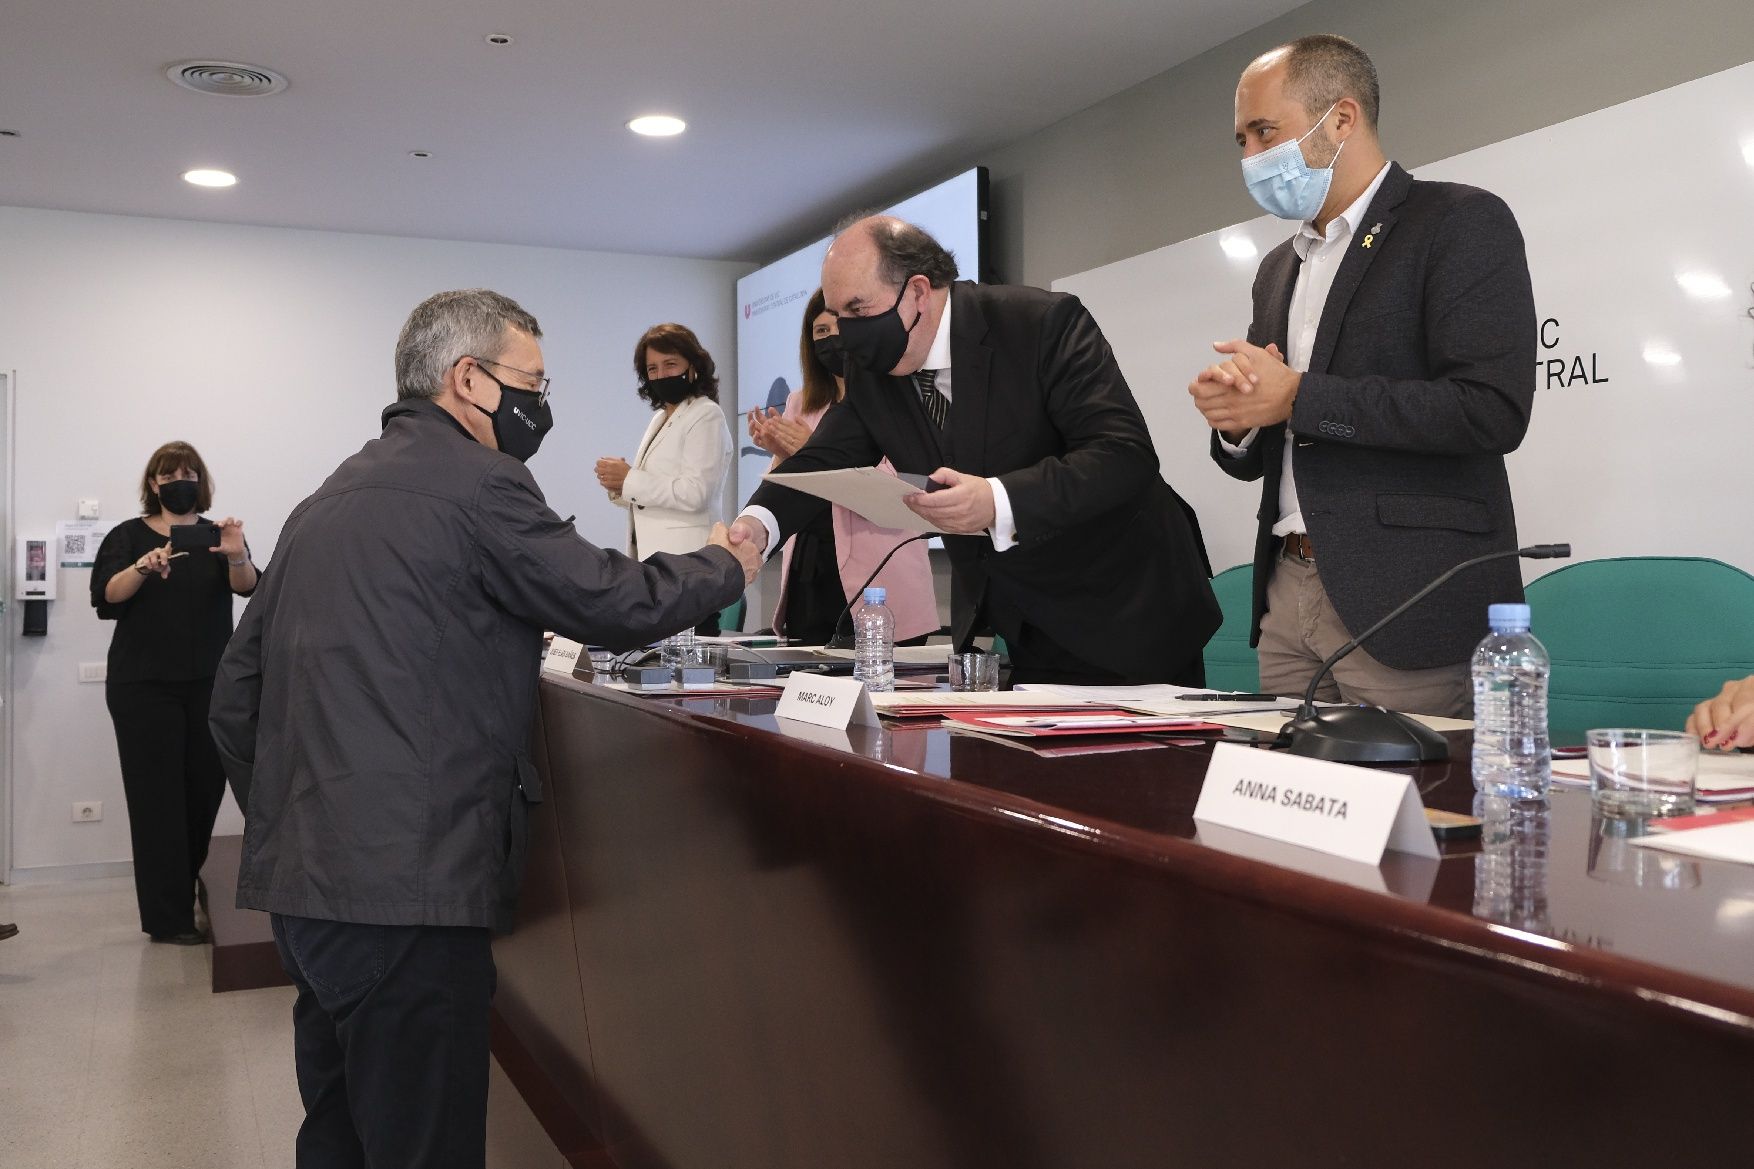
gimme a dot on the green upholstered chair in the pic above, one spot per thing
(1639, 641)
(1231, 663)
(731, 616)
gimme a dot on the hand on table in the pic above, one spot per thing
(1727, 720)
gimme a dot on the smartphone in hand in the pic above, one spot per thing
(196, 537)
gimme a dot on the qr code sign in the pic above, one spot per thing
(74, 545)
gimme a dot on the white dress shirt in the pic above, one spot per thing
(1004, 529)
(1321, 255)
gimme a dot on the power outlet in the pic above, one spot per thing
(88, 509)
(86, 811)
(93, 671)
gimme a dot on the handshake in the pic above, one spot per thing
(738, 542)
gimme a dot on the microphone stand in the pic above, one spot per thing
(839, 641)
(1374, 734)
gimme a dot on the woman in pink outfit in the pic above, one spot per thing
(831, 558)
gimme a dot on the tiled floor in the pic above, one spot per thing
(114, 1054)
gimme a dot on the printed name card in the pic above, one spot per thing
(563, 657)
(1353, 812)
(836, 703)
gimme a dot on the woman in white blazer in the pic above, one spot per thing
(673, 490)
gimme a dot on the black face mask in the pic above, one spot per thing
(521, 421)
(667, 391)
(878, 343)
(179, 495)
(830, 354)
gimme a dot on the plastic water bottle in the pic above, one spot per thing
(678, 649)
(874, 642)
(1511, 753)
(1510, 874)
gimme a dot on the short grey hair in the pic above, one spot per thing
(449, 326)
(1323, 68)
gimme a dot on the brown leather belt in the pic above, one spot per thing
(1297, 544)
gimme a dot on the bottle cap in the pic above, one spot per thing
(1508, 618)
(876, 595)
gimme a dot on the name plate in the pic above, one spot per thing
(563, 658)
(1347, 811)
(835, 703)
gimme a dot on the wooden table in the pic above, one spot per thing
(742, 950)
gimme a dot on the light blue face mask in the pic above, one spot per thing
(1284, 184)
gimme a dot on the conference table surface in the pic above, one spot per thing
(750, 943)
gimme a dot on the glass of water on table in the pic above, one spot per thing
(1636, 773)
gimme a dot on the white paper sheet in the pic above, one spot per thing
(1025, 699)
(1161, 698)
(1724, 842)
(866, 491)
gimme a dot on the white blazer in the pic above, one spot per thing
(674, 492)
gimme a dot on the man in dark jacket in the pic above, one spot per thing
(373, 711)
(1389, 368)
(1063, 536)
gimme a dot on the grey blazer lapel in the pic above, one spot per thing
(1366, 246)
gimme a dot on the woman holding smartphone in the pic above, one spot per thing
(173, 613)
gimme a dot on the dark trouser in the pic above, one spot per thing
(174, 782)
(1037, 659)
(390, 1042)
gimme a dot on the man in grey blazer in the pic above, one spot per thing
(1389, 368)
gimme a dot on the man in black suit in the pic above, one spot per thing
(1065, 540)
(1389, 368)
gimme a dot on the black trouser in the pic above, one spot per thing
(390, 1042)
(1039, 660)
(174, 782)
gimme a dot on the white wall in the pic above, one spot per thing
(1645, 367)
(271, 351)
(1156, 163)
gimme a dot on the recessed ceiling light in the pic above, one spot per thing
(657, 126)
(498, 38)
(210, 178)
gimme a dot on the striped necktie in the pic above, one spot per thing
(936, 404)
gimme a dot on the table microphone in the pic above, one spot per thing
(1373, 734)
(846, 642)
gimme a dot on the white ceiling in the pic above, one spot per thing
(797, 110)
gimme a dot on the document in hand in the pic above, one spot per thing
(865, 491)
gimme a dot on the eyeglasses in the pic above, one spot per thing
(541, 386)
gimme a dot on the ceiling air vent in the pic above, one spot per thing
(226, 78)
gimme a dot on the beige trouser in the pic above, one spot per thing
(1299, 631)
